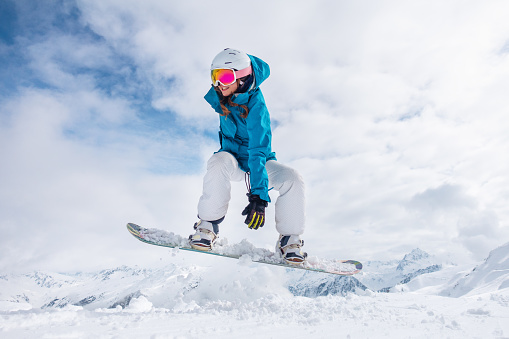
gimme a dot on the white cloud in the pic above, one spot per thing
(66, 200)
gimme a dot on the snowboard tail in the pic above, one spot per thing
(162, 238)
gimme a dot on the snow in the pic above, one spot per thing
(227, 298)
(243, 250)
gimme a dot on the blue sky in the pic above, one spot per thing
(47, 45)
(395, 113)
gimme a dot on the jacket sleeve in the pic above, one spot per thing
(260, 135)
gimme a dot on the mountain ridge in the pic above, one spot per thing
(169, 285)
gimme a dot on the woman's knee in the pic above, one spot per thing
(223, 161)
(285, 178)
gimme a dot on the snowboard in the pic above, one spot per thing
(244, 249)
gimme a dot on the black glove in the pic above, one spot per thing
(255, 212)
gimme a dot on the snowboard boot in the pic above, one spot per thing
(205, 236)
(289, 247)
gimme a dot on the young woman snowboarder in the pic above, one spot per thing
(246, 154)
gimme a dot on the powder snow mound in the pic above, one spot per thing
(490, 276)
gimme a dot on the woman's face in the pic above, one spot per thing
(228, 90)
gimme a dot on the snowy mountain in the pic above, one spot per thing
(382, 276)
(377, 276)
(311, 284)
(117, 287)
(490, 275)
(229, 298)
(104, 289)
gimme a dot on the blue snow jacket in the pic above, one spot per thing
(248, 140)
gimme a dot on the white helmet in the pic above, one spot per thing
(231, 58)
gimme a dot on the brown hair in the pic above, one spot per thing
(223, 101)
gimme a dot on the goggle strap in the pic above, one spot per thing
(243, 72)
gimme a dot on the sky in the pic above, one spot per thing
(394, 113)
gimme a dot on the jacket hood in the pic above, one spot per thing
(261, 70)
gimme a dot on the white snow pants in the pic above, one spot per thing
(223, 168)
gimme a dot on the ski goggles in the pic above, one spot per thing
(227, 76)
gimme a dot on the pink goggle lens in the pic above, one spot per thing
(224, 76)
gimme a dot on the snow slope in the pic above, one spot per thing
(226, 298)
(491, 275)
